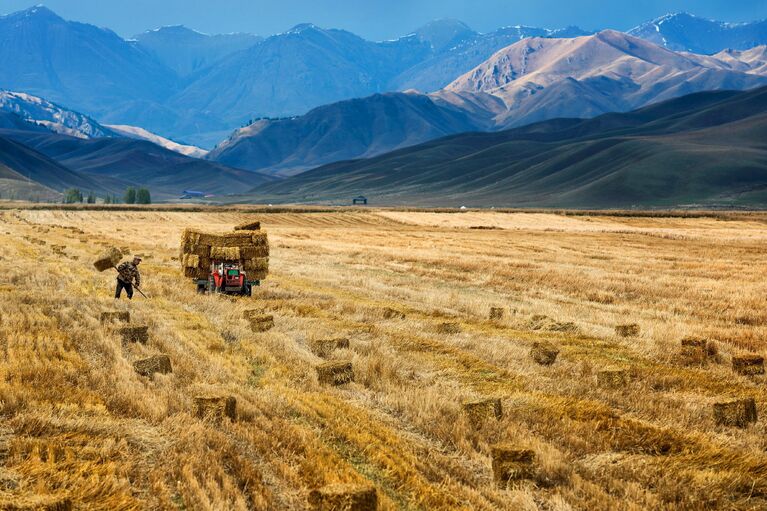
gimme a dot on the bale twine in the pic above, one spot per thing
(343, 497)
(497, 313)
(261, 323)
(612, 378)
(324, 347)
(108, 259)
(735, 413)
(336, 372)
(136, 334)
(449, 328)
(748, 365)
(480, 410)
(215, 408)
(115, 317)
(544, 353)
(511, 464)
(630, 330)
(157, 364)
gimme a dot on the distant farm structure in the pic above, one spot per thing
(361, 200)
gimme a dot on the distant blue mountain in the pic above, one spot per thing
(686, 32)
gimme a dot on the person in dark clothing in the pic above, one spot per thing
(128, 276)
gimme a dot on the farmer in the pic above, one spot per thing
(127, 274)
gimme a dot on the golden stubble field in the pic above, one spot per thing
(79, 423)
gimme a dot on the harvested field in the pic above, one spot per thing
(616, 423)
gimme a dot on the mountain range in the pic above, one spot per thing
(195, 89)
(532, 80)
(703, 150)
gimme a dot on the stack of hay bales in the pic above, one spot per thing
(250, 249)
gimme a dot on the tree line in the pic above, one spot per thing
(132, 196)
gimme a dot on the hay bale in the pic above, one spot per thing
(748, 364)
(630, 330)
(36, 503)
(336, 372)
(253, 251)
(258, 264)
(497, 313)
(477, 411)
(248, 226)
(190, 261)
(195, 249)
(324, 347)
(259, 238)
(139, 334)
(157, 364)
(735, 413)
(449, 328)
(225, 253)
(511, 464)
(343, 497)
(544, 353)
(115, 317)
(257, 275)
(215, 408)
(9, 479)
(389, 313)
(108, 259)
(261, 323)
(693, 351)
(612, 378)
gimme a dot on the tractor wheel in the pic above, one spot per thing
(248, 290)
(201, 289)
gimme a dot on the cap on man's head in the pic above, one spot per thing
(136, 259)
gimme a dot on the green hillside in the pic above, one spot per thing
(706, 149)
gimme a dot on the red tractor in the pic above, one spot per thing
(227, 278)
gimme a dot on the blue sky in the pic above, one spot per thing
(376, 19)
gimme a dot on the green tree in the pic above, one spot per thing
(143, 196)
(91, 198)
(73, 195)
(130, 196)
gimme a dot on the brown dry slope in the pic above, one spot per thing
(614, 423)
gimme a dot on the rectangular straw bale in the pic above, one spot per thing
(511, 464)
(259, 264)
(139, 334)
(748, 364)
(108, 259)
(248, 226)
(736, 413)
(225, 253)
(544, 353)
(191, 272)
(337, 372)
(259, 238)
(196, 237)
(261, 323)
(344, 497)
(36, 503)
(191, 261)
(324, 347)
(215, 408)
(157, 364)
(195, 249)
(477, 411)
(254, 251)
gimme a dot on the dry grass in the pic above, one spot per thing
(80, 425)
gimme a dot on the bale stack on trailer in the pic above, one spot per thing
(249, 248)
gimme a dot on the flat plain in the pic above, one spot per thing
(412, 292)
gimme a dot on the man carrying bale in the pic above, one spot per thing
(128, 276)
